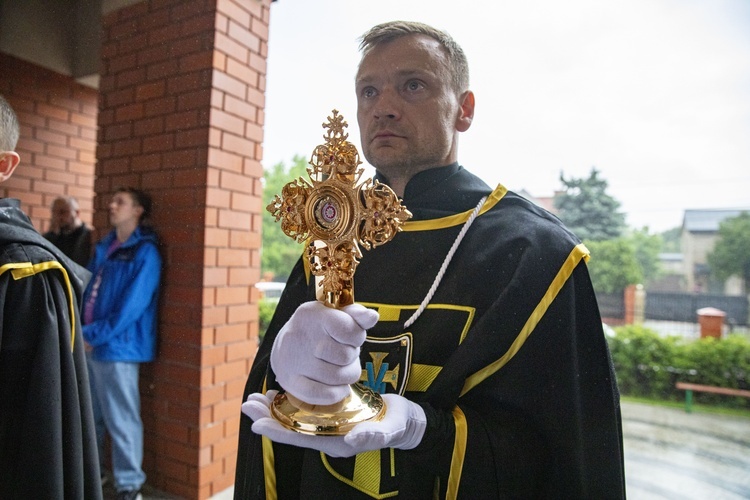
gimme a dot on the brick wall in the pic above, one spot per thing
(181, 116)
(58, 139)
(233, 224)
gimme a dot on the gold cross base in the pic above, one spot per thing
(361, 405)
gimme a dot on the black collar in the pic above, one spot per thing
(423, 181)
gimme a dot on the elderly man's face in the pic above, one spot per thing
(63, 215)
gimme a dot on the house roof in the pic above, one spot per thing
(670, 257)
(708, 220)
(546, 202)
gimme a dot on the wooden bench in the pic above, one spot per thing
(689, 388)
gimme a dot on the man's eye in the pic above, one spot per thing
(368, 92)
(414, 85)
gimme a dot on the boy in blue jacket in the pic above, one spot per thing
(119, 317)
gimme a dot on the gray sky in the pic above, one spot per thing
(653, 93)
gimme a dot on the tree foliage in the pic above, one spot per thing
(586, 208)
(613, 265)
(266, 308)
(671, 240)
(647, 248)
(731, 254)
(279, 252)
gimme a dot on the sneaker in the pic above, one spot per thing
(129, 495)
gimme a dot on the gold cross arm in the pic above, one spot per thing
(337, 213)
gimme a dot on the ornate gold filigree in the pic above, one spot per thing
(382, 214)
(290, 209)
(337, 213)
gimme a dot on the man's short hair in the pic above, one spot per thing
(141, 198)
(9, 127)
(387, 32)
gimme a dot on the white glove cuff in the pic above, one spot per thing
(415, 427)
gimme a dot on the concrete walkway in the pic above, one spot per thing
(672, 454)
(669, 454)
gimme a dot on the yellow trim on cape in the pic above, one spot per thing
(578, 253)
(392, 312)
(269, 468)
(369, 460)
(422, 377)
(367, 472)
(269, 473)
(459, 454)
(21, 270)
(457, 219)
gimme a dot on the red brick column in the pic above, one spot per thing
(58, 139)
(629, 304)
(635, 303)
(181, 116)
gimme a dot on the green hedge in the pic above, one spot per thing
(649, 365)
(266, 308)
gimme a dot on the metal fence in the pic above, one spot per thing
(676, 307)
(662, 306)
(611, 305)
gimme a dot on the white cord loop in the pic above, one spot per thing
(447, 261)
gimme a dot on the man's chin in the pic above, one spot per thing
(386, 161)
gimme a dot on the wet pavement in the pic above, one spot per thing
(672, 454)
(669, 454)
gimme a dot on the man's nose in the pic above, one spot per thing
(387, 105)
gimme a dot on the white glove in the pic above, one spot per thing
(402, 427)
(316, 355)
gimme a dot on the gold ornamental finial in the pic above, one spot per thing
(337, 213)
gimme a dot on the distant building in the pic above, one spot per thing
(699, 235)
(672, 274)
(546, 202)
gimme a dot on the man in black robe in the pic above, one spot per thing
(47, 438)
(488, 345)
(68, 232)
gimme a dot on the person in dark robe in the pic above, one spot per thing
(68, 232)
(478, 323)
(47, 437)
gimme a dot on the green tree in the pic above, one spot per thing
(613, 265)
(279, 252)
(731, 254)
(671, 239)
(647, 248)
(586, 208)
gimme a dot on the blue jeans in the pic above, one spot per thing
(117, 410)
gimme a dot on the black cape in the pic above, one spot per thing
(47, 438)
(76, 244)
(509, 361)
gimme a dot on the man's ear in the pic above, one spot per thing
(140, 211)
(8, 163)
(466, 111)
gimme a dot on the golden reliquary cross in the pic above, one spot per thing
(338, 215)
